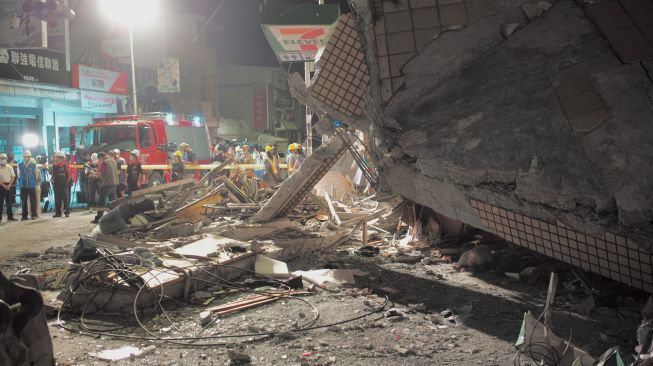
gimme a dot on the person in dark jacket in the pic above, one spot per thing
(134, 171)
(61, 184)
(177, 167)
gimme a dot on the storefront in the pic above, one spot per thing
(39, 111)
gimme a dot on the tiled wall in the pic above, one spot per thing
(628, 26)
(581, 104)
(611, 255)
(343, 76)
(406, 26)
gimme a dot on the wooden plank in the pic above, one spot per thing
(194, 211)
(369, 217)
(550, 296)
(334, 214)
(150, 190)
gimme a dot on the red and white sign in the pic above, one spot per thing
(260, 107)
(91, 78)
(100, 102)
(296, 42)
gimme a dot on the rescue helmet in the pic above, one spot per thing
(178, 154)
(27, 153)
(136, 153)
(116, 152)
(292, 147)
(60, 154)
(3, 156)
(269, 148)
(183, 145)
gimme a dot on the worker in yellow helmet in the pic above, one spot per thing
(271, 164)
(291, 158)
(177, 167)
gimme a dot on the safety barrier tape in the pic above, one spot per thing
(186, 166)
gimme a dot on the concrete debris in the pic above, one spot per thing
(477, 257)
(533, 333)
(239, 358)
(534, 11)
(509, 28)
(395, 315)
(330, 278)
(123, 353)
(270, 267)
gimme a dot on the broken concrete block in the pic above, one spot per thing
(270, 267)
(200, 297)
(294, 189)
(508, 29)
(205, 318)
(479, 256)
(534, 11)
(239, 358)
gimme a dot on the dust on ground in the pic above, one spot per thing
(490, 310)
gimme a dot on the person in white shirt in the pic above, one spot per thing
(7, 178)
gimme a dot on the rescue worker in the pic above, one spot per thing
(239, 155)
(29, 177)
(60, 183)
(108, 174)
(7, 178)
(247, 156)
(93, 178)
(290, 159)
(73, 174)
(271, 165)
(177, 167)
(300, 157)
(122, 176)
(134, 171)
(12, 190)
(188, 156)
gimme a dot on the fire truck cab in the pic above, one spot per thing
(155, 135)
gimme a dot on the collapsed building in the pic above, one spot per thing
(530, 120)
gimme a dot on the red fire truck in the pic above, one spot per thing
(155, 135)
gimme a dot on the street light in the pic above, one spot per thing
(30, 140)
(131, 13)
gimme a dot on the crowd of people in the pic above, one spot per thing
(102, 180)
(106, 176)
(267, 156)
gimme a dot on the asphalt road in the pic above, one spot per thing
(18, 237)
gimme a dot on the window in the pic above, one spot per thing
(144, 137)
(110, 137)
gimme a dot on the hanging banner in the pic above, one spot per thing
(33, 64)
(260, 107)
(91, 78)
(168, 80)
(297, 33)
(100, 102)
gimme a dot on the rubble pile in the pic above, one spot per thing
(188, 263)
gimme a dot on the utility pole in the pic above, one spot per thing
(66, 35)
(44, 32)
(131, 52)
